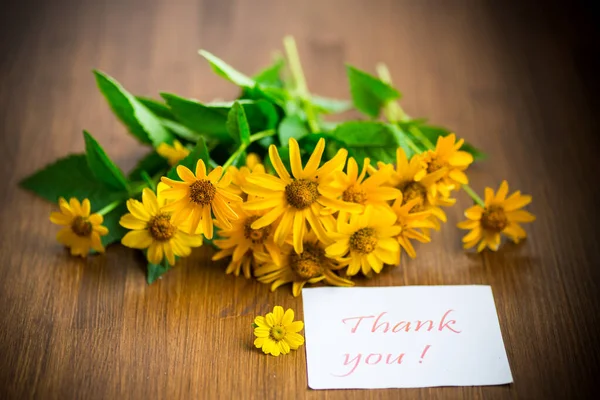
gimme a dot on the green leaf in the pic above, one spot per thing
(226, 71)
(180, 130)
(369, 93)
(271, 76)
(209, 121)
(157, 107)
(111, 221)
(292, 126)
(237, 124)
(368, 139)
(102, 167)
(325, 105)
(152, 163)
(71, 177)
(140, 121)
(155, 271)
(199, 152)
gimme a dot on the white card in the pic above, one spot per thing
(403, 337)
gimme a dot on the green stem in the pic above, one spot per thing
(261, 135)
(235, 155)
(422, 138)
(473, 195)
(300, 82)
(392, 110)
(108, 208)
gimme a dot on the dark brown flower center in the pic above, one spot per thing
(354, 195)
(434, 165)
(414, 190)
(363, 240)
(257, 236)
(81, 226)
(160, 227)
(494, 219)
(202, 192)
(301, 193)
(308, 264)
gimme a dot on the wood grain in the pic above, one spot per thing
(515, 79)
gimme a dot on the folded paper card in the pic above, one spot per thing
(402, 337)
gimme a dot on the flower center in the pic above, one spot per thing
(277, 333)
(257, 236)
(363, 240)
(307, 265)
(81, 226)
(414, 190)
(301, 193)
(160, 227)
(354, 195)
(494, 219)
(434, 164)
(202, 192)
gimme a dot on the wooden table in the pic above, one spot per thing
(513, 79)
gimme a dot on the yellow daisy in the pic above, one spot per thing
(82, 230)
(241, 242)
(414, 225)
(365, 242)
(501, 214)
(239, 177)
(295, 199)
(350, 187)
(447, 156)
(310, 266)
(277, 332)
(174, 153)
(197, 196)
(153, 229)
(416, 183)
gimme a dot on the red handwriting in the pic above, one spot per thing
(370, 359)
(381, 325)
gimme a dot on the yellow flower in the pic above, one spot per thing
(365, 242)
(447, 156)
(82, 231)
(310, 266)
(174, 153)
(342, 188)
(241, 242)
(501, 214)
(252, 159)
(197, 195)
(277, 332)
(153, 229)
(294, 200)
(239, 178)
(416, 183)
(412, 224)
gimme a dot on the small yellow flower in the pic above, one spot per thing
(414, 225)
(411, 178)
(277, 332)
(453, 161)
(239, 178)
(154, 230)
(501, 214)
(198, 195)
(174, 153)
(350, 187)
(310, 266)
(81, 230)
(252, 159)
(295, 199)
(241, 242)
(365, 243)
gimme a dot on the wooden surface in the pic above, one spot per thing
(514, 79)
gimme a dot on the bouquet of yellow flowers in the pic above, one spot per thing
(285, 195)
